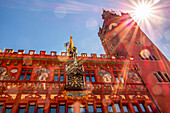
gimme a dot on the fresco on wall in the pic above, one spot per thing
(133, 77)
(4, 74)
(42, 74)
(106, 75)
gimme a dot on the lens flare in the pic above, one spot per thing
(145, 53)
(143, 10)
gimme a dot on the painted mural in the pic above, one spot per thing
(42, 76)
(4, 74)
(133, 77)
(106, 75)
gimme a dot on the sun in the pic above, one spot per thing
(143, 10)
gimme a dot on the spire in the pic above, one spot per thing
(71, 46)
(72, 51)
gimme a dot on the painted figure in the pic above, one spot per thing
(4, 75)
(106, 76)
(43, 75)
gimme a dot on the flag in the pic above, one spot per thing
(66, 44)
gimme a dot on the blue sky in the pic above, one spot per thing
(47, 24)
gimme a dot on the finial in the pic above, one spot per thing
(71, 36)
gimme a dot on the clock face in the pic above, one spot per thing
(75, 81)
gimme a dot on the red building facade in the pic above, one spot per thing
(40, 83)
(121, 36)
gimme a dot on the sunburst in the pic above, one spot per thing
(144, 11)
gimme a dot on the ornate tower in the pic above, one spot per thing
(74, 71)
(121, 36)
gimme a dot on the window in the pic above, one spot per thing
(56, 71)
(22, 76)
(117, 79)
(40, 110)
(28, 77)
(136, 108)
(53, 109)
(110, 109)
(138, 43)
(1, 106)
(150, 109)
(31, 109)
(115, 73)
(92, 72)
(21, 109)
(125, 108)
(24, 70)
(8, 109)
(61, 108)
(70, 110)
(167, 76)
(87, 72)
(82, 110)
(117, 108)
(90, 109)
(56, 77)
(142, 107)
(25, 74)
(158, 77)
(29, 70)
(99, 109)
(61, 77)
(93, 79)
(154, 57)
(61, 71)
(122, 79)
(87, 79)
(90, 76)
(150, 57)
(162, 77)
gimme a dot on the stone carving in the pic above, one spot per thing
(4, 75)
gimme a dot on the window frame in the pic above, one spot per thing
(90, 74)
(25, 72)
(59, 73)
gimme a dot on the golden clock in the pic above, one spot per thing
(75, 81)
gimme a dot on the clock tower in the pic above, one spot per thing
(75, 79)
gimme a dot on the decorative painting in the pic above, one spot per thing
(42, 74)
(4, 74)
(106, 75)
(133, 77)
